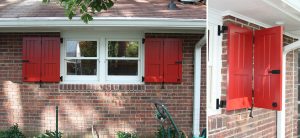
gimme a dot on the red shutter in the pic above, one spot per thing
(239, 93)
(31, 69)
(268, 57)
(50, 59)
(154, 60)
(172, 60)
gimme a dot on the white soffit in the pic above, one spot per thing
(266, 12)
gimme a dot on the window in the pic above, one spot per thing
(101, 60)
(123, 60)
(81, 60)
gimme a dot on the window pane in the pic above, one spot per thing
(123, 48)
(122, 67)
(82, 49)
(81, 67)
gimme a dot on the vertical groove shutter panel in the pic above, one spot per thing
(172, 60)
(153, 60)
(50, 59)
(31, 69)
(268, 57)
(239, 92)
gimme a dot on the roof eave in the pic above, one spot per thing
(103, 21)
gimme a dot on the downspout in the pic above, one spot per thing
(197, 87)
(281, 114)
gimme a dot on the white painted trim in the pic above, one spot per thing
(214, 62)
(197, 87)
(102, 38)
(246, 18)
(281, 114)
(104, 21)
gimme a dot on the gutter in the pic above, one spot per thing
(197, 87)
(281, 114)
(103, 21)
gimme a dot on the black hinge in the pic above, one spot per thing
(143, 40)
(143, 78)
(220, 104)
(25, 61)
(274, 71)
(61, 40)
(61, 78)
(221, 29)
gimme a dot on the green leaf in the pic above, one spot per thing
(46, 1)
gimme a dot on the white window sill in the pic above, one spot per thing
(97, 82)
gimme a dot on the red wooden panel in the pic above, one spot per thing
(172, 60)
(153, 60)
(50, 59)
(267, 57)
(239, 92)
(31, 70)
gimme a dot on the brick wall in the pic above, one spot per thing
(237, 123)
(86, 108)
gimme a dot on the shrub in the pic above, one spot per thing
(12, 132)
(121, 134)
(49, 134)
(163, 133)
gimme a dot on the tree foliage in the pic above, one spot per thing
(87, 8)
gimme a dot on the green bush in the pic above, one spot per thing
(12, 132)
(121, 134)
(163, 133)
(49, 134)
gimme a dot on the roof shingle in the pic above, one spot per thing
(122, 8)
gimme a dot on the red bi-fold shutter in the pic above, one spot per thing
(153, 60)
(239, 93)
(172, 60)
(267, 68)
(31, 70)
(50, 59)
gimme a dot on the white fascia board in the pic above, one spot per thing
(248, 19)
(104, 22)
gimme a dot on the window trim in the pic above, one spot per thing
(123, 78)
(102, 46)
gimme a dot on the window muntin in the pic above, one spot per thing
(123, 57)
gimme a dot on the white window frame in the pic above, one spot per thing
(214, 62)
(78, 78)
(123, 78)
(102, 39)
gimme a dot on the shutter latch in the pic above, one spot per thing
(178, 62)
(220, 104)
(143, 79)
(61, 78)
